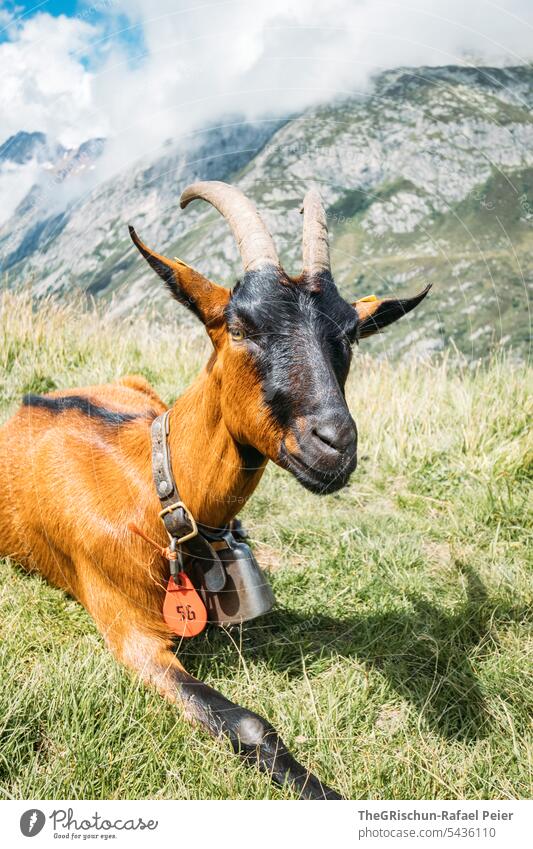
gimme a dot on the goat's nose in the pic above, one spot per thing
(339, 436)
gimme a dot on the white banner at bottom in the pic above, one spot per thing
(251, 825)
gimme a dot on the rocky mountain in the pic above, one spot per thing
(61, 244)
(34, 172)
(428, 178)
(22, 148)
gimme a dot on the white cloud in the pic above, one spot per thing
(206, 59)
(6, 18)
(44, 84)
(15, 183)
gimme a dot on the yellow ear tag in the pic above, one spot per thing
(367, 298)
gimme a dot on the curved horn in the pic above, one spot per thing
(315, 241)
(253, 239)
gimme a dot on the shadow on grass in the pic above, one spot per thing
(424, 652)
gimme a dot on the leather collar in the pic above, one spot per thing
(183, 530)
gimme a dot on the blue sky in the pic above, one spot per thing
(104, 14)
(53, 7)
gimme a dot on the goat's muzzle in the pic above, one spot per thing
(323, 454)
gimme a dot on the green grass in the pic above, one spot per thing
(398, 662)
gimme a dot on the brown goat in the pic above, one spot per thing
(75, 466)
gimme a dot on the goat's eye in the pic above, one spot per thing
(237, 334)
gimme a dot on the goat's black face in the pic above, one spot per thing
(293, 341)
(282, 345)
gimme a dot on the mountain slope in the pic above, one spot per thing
(428, 178)
(63, 246)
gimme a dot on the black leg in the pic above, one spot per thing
(252, 737)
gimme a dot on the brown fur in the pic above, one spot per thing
(72, 481)
(71, 484)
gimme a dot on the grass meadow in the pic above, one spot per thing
(398, 663)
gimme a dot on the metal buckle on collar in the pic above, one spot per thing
(176, 506)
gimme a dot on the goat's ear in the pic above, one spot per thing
(374, 314)
(204, 298)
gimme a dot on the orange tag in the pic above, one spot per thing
(183, 610)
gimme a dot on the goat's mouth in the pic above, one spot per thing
(317, 480)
